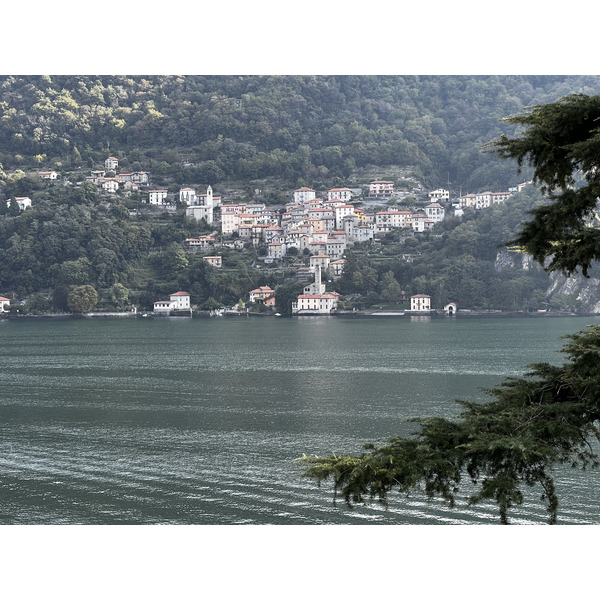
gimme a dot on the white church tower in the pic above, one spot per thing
(317, 287)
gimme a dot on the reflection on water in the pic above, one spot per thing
(200, 421)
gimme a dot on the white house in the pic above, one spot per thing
(303, 195)
(315, 300)
(263, 294)
(109, 184)
(435, 212)
(439, 195)
(111, 163)
(420, 303)
(136, 177)
(386, 220)
(276, 250)
(176, 301)
(215, 261)
(157, 196)
(315, 304)
(381, 189)
(187, 195)
(48, 175)
(201, 242)
(4, 303)
(23, 202)
(342, 211)
(421, 222)
(344, 194)
(500, 197)
(181, 300)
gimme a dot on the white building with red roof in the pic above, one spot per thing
(435, 211)
(386, 220)
(315, 304)
(344, 194)
(179, 301)
(4, 303)
(263, 294)
(420, 303)
(315, 300)
(303, 195)
(111, 163)
(381, 188)
(215, 261)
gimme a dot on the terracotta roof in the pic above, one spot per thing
(180, 294)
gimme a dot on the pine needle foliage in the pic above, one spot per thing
(561, 141)
(503, 446)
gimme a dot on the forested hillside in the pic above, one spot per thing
(296, 128)
(268, 133)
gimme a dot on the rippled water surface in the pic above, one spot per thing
(199, 421)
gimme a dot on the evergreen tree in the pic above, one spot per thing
(502, 447)
(552, 415)
(562, 143)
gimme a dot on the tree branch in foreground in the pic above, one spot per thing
(503, 446)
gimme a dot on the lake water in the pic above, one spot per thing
(199, 421)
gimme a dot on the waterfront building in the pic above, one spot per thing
(420, 303)
(179, 301)
(263, 295)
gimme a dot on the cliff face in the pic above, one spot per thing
(576, 293)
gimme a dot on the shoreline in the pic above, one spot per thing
(342, 314)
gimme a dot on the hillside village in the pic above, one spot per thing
(319, 227)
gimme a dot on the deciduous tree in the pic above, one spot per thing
(82, 299)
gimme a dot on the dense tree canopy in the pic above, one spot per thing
(82, 299)
(562, 143)
(207, 129)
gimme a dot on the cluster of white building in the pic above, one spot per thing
(128, 181)
(487, 199)
(323, 226)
